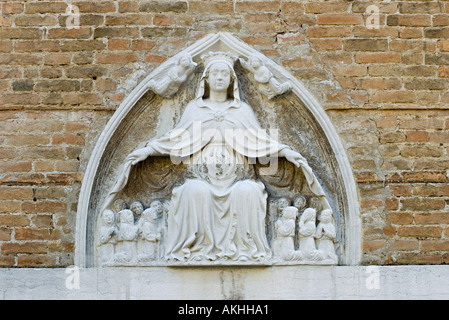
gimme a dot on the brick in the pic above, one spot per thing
(116, 32)
(441, 59)
(420, 7)
(413, 20)
(129, 19)
(46, 7)
(152, 58)
(431, 218)
(86, 72)
(382, 32)
(128, 6)
(13, 220)
(326, 44)
(111, 58)
(36, 20)
(372, 245)
(378, 57)
(12, 8)
(325, 7)
(42, 220)
(426, 84)
(400, 190)
(417, 136)
(443, 72)
(404, 245)
(65, 33)
(20, 33)
(420, 231)
(324, 32)
(19, 99)
(443, 45)
(7, 261)
(57, 85)
(142, 44)
(392, 96)
(365, 45)
(419, 204)
(262, 6)
(434, 245)
(12, 193)
(421, 151)
(5, 234)
(22, 86)
(339, 19)
(420, 71)
(118, 44)
(22, 166)
(436, 33)
(44, 207)
(36, 261)
(95, 6)
(163, 6)
(402, 218)
(417, 177)
(36, 234)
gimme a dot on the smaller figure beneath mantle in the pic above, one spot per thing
(151, 235)
(268, 85)
(127, 237)
(107, 236)
(285, 227)
(307, 230)
(325, 235)
(169, 84)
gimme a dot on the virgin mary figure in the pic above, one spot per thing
(218, 213)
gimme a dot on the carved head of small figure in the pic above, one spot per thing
(137, 208)
(186, 61)
(108, 217)
(119, 205)
(282, 203)
(157, 206)
(300, 202)
(289, 213)
(308, 215)
(126, 217)
(326, 216)
(255, 61)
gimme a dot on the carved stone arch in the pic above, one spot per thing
(306, 128)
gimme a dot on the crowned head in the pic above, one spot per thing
(218, 56)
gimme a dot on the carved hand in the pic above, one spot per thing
(294, 157)
(139, 155)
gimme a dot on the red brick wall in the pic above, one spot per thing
(385, 90)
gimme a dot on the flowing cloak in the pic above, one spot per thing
(239, 128)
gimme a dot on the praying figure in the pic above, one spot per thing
(268, 85)
(128, 233)
(325, 236)
(285, 227)
(172, 79)
(148, 229)
(307, 229)
(108, 231)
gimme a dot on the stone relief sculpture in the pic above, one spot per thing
(325, 236)
(170, 80)
(268, 84)
(108, 234)
(218, 213)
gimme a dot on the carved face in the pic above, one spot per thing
(136, 207)
(184, 61)
(219, 77)
(157, 206)
(255, 62)
(326, 216)
(108, 217)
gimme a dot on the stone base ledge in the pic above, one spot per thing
(248, 283)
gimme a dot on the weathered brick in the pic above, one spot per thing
(432, 218)
(38, 260)
(443, 72)
(339, 19)
(116, 32)
(36, 20)
(20, 33)
(44, 207)
(420, 231)
(12, 8)
(426, 84)
(413, 20)
(46, 7)
(36, 234)
(420, 204)
(163, 6)
(404, 245)
(365, 45)
(378, 57)
(85, 72)
(57, 85)
(95, 6)
(13, 220)
(66, 33)
(110, 58)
